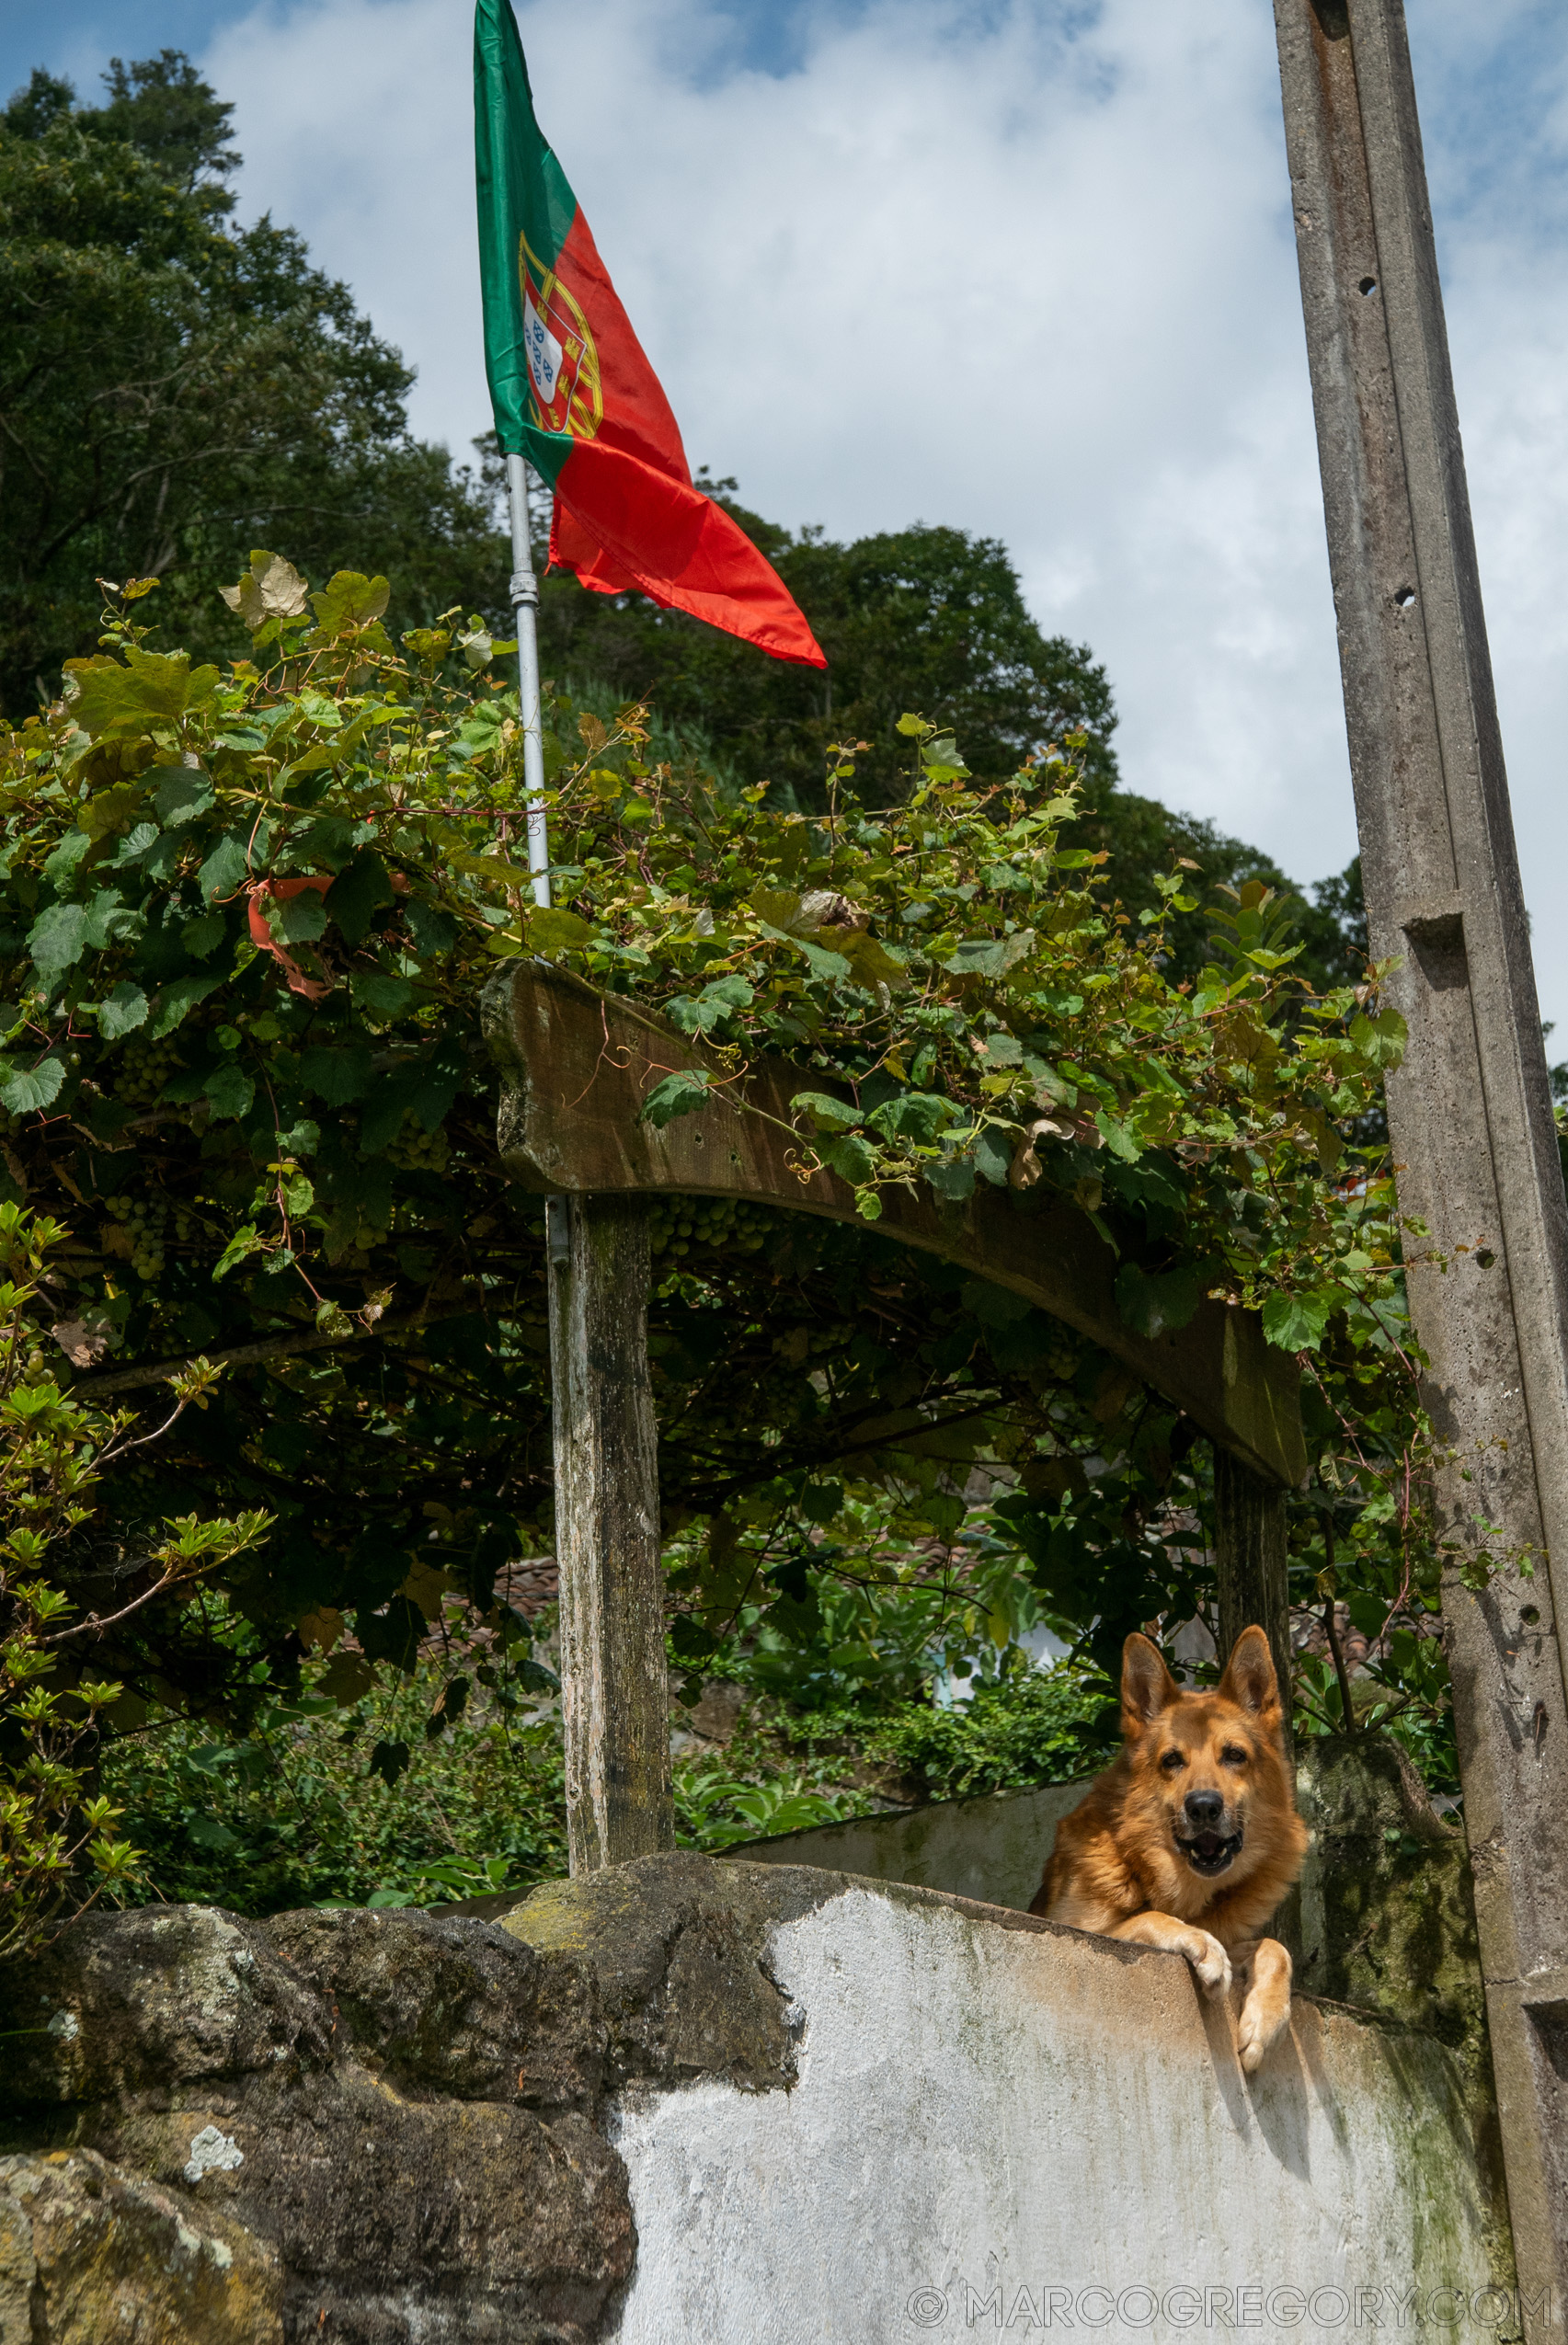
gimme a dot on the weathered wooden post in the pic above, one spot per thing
(614, 1691)
(1469, 1112)
(1250, 1561)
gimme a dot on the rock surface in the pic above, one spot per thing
(372, 2128)
(385, 2122)
(1387, 1915)
(87, 2255)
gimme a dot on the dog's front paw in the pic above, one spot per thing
(1263, 2019)
(1211, 1965)
(1266, 2014)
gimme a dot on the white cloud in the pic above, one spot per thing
(1026, 269)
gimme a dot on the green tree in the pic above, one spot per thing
(172, 388)
(1144, 840)
(160, 106)
(933, 619)
(930, 619)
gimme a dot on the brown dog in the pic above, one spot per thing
(1192, 1838)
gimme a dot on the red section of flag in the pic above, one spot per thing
(626, 526)
(627, 514)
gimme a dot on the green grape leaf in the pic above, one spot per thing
(678, 1095)
(434, 930)
(827, 1113)
(392, 1634)
(1296, 1323)
(302, 916)
(347, 603)
(182, 792)
(173, 1003)
(990, 957)
(225, 869)
(150, 689)
(849, 1157)
(231, 1093)
(125, 1009)
(389, 1760)
(953, 1178)
(993, 1155)
(60, 869)
(380, 995)
(58, 939)
(199, 937)
(358, 893)
(338, 1076)
(208, 1832)
(36, 1087)
(112, 811)
(384, 1110)
(554, 930)
(243, 1242)
(1152, 1303)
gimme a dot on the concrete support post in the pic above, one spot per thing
(1469, 1112)
(1250, 1561)
(614, 1687)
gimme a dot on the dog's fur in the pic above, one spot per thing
(1192, 1838)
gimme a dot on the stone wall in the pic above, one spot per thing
(716, 2102)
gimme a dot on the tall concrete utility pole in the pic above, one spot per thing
(1469, 1114)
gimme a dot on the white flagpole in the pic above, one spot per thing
(524, 597)
(525, 614)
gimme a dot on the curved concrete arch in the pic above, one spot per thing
(576, 1065)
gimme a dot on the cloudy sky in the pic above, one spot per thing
(1020, 266)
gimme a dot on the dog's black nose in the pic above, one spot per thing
(1204, 1808)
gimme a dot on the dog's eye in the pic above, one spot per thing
(1233, 1756)
(1172, 1762)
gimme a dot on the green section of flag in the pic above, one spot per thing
(523, 191)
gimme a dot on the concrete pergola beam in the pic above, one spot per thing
(576, 1066)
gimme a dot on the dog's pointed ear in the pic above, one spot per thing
(1250, 1679)
(1148, 1687)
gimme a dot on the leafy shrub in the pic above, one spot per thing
(59, 1843)
(313, 1806)
(1030, 1726)
(315, 1803)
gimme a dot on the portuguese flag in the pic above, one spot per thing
(573, 392)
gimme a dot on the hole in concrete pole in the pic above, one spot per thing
(1405, 597)
(1530, 1614)
(1367, 285)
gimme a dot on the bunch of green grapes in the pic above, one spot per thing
(368, 1235)
(830, 1339)
(416, 1150)
(145, 1225)
(145, 1067)
(682, 1226)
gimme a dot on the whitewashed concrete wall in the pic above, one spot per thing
(992, 1847)
(1005, 2129)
